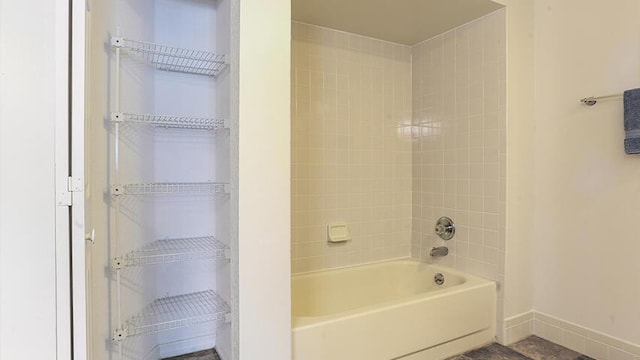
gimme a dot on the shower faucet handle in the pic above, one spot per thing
(442, 229)
(445, 228)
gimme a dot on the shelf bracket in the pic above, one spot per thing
(116, 41)
(119, 335)
(116, 117)
(116, 190)
(118, 263)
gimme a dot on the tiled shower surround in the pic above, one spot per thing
(352, 152)
(459, 152)
(459, 148)
(388, 138)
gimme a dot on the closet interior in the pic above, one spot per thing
(161, 193)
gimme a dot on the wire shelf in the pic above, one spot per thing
(173, 313)
(169, 188)
(174, 250)
(172, 58)
(167, 121)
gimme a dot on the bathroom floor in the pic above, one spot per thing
(531, 348)
(210, 354)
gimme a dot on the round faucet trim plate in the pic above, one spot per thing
(445, 228)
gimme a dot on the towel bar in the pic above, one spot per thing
(592, 100)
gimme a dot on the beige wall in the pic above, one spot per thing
(264, 271)
(351, 158)
(567, 176)
(571, 166)
(587, 242)
(459, 149)
(517, 284)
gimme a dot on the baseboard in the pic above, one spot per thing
(186, 346)
(583, 340)
(575, 337)
(518, 327)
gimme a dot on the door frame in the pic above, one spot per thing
(71, 286)
(77, 170)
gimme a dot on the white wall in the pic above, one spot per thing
(586, 242)
(28, 91)
(264, 180)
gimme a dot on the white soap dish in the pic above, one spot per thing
(338, 232)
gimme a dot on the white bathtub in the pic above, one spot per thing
(390, 310)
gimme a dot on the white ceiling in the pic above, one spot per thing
(401, 21)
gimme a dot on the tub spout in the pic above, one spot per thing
(440, 251)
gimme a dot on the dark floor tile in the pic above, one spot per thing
(541, 349)
(200, 355)
(495, 352)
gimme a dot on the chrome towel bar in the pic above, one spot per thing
(592, 100)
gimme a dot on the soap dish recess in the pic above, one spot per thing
(338, 232)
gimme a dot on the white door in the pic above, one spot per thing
(41, 152)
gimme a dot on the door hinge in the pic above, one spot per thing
(74, 184)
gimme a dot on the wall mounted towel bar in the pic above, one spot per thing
(592, 100)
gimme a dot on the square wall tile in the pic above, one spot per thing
(352, 153)
(462, 69)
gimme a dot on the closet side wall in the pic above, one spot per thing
(264, 180)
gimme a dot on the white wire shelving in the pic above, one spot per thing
(175, 312)
(171, 58)
(202, 188)
(174, 250)
(169, 121)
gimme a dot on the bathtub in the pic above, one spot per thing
(390, 310)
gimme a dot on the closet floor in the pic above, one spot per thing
(531, 348)
(210, 354)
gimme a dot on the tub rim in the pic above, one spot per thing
(470, 282)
